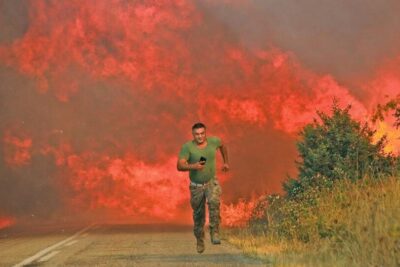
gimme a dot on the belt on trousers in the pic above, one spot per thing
(199, 185)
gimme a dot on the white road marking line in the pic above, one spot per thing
(53, 247)
(49, 256)
(71, 243)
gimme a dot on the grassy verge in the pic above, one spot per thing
(352, 224)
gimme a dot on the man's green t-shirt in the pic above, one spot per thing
(192, 154)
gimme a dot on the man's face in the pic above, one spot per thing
(199, 135)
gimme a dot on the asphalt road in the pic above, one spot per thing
(114, 245)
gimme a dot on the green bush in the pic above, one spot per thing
(337, 147)
(333, 148)
(343, 206)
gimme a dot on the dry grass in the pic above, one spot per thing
(361, 222)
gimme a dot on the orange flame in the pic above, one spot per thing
(128, 186)
(237, 214)
(386, 128)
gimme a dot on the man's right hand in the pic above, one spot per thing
(198, 165)
(183, 165)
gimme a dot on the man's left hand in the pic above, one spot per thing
(225, 168)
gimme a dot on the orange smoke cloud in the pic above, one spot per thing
(102, 42)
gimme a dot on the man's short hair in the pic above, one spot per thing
(198, 126)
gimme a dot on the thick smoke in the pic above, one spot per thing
(347, 39)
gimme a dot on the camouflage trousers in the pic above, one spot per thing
(209, 193)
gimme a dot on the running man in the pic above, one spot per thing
(198, 156)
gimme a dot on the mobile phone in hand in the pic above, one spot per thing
(203, 159)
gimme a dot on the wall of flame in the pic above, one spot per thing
(98, 96)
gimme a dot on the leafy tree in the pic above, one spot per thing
(337, 147)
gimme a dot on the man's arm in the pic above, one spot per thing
(224, 153)
(183, 165)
